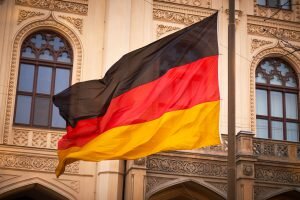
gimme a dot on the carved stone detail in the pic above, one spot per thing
(56, 5)
(54, 139)
(221, 186)
(262, 11)
(270, 149)
(248, 170)
(277, 175)
(186, 166)
(73, 184)
(76, 22)
(276, 51)
(140, 161)
(51, 23)
(256, 43)
(153, 182)
(260, 191)
(24, 14)
(273, 32)
(176, 17)
(39, 139)
(194, 3)
(35, 163)
(162, 29)
(20, 137)
(6, 177)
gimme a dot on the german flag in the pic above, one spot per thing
(164, 96)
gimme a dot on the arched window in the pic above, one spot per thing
(45, 69)
(277, 112)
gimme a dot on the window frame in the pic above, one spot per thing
(283, 90)
(276, 7)
(36, 62)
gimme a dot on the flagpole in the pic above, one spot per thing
(231, 191)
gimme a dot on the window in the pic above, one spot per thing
(277, 112)
(283, 4)
(45, 69)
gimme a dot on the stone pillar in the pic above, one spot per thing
(245, 166)
(135, 179)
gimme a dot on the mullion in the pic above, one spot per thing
(284, 116)
(269, 113)
(52, 93)
(34, 93)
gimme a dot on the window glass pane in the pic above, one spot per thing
(64, 57)
(46, 55)
(23, 108)
(57, 43)
(276, 104)
(260, 78)
(38, 41)
(57, 120)
(41, 111)
(292, 130)
(273, 3)
(291, 106)
(277, 130)
(261, 102)
(285, 4)
(283, 69)
(275, 80)
(44, 80)
(26, 78)
(261, 128)
(266, 66)
(28, 53)
(62, 78)
(261, 2)
(291, 82)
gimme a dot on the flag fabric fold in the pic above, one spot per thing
(164, 96)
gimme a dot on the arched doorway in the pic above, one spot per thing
(289, 195)
(32, 192)
(186, 191)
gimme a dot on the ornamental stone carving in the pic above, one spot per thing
(256, 43)
(248, 170)
(140, 161)
(195, 3)
(76, 7)
(273, 32)
(289, 176)
(24, 15)
(176, 17)
(183, 166)
(221, 186)
(162, 29)
(76, 22)
(73, 184)
(261, 11)
(33, 162)
(153, 182)
(261, 191)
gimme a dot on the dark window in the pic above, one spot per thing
(277, 112)
(45, 69)
(284, 4)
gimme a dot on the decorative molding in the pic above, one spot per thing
(256, 43)
(275, 51)
(184, 166)
(162, 29)
(24, 14)
(34, 163)
(261, 191)
(194, 3)
(176, 17)
(248, 170)
(221, 186)
(69, 6)
(6, 177)
(153, 182)
(140, 161)
(289, 176)
(50, 23)
(73, 184)
(76, 22)
(270, 149)
(266, 12)
(273, 32)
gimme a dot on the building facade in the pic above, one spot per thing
(46, 45)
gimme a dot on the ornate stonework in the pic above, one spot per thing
(248, 170)
(50, 23)
(73, 184)
(153, 182)
(261, 191)
(76, 22)
(6, 177)
(273, 32)
(24, 14)
(194, 3)
(221, 186)
(140, 161)
(34, 162)
(183, 166)
(276, 51)
(76, 7)
(162, 29)
(256, 43)
(266, 12)
(169, 12)
(289, 176)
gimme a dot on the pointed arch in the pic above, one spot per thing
(285, 193)
(188, 188)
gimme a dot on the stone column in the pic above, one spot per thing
(245, 166)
